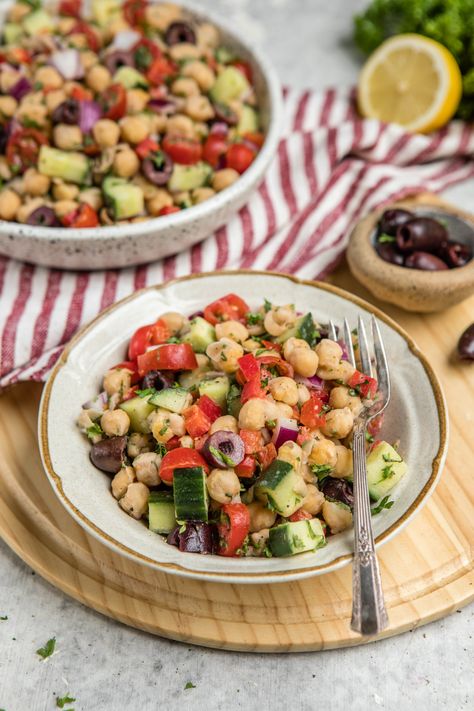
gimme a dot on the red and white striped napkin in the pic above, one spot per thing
(332, 167)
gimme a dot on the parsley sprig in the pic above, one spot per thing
(48, 649)
(63, 700)
(385, 503)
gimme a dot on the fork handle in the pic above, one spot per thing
(369, 615)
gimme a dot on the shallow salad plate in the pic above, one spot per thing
(416, 415)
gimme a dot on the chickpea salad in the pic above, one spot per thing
(131, 113)
(230, 432)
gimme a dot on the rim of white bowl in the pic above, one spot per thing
(188, 216)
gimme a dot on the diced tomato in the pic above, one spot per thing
(266, 455)
(256, 137)
(80, 93)
(214, 149)
(169, 210)
(134, 11)
(310, 414)
(18, 55)
(209, 407)
(139, 342)
(182, 150)
(180, 458)
(172, 356)
(243, 67)
(23, 148)
(252, 388)
(246, 468)
(249, 366)
(131, 393)
(284, 368)
(113, 102)
(144, 53)
(84, 28)
(300, 515)
(196, 421)
(161, 70)
(172, 443)
(239, 157)
(159, 332)
(85, 216)
(145, 147)
(375, 425)
(366, 385)
(303, 436)
(70, 8)
(272, 346)
(228, 308)
(90, 147)
(252, 439)
(233, 528)
(129, 365)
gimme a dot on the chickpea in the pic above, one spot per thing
(323, 452)
(292, 453)
(8, 80)
(161, 15)
(117, 380)
(147, 467)
(67, 137)
(54, 99)
(135, 500)
(126, 163)
(339, 398)
(202, 194)
(137, 99)
(313, 501)
(161, 199)
(226, 423)
(260, 516)
(9, 204)
(49, 77)
(118, 24)
(225, 353)
(18, 11)
(303, 393)
(340, 371)
(207, 35)
(65, 191)
(337, 516)
(201, 73)
(284, 389)
(88, 60)
(184, 50)
(98, 78)
(5, 172)
(25, 210)
(122, 481)
(339, 423)
(106, 133)
(180, 125)
(259, 540)
(232, 329)
(256, 412)
(182, 198)
(185, 86)
(343, 466)
(175, 322)
(66, 24)
(134, 129)
(279, 319)
(93, 197)
(139, 443)
(34, 112)
(224, 178)
(291, 344)
(157, 123)
(165, 425)
(329, 352)
(8, 106)
(251, 345)
(115, 423)
(223, 485)
(64, 207)
(304, 361)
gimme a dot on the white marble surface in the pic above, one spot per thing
(109, 667)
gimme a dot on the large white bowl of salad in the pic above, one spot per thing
(208, 433)
(129, 129)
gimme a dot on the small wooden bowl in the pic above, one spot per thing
(413, 289)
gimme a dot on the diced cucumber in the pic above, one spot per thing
(224, 55)
(138, 409)
(130, 78)
(173, 399)
(38, 22)
(290, 332)
(188, 177)
(234, 403)
(161, 516)
(190, 494)
(296, 537)
(12, 32)
(248, 122)
(200, 334)
(191, 378)
(68, 165)
(216, 389)
(123, 198)
(385, 468)
(230, 84)
(277, 486)
(106, 11)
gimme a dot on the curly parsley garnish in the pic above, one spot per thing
(48, 649)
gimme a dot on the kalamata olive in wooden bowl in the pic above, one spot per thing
(417, 254)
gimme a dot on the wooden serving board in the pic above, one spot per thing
(427, 570)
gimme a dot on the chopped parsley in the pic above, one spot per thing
(34, 4)
(173, 339)
(387, 472)
(3, 618)
(254, 318)
(270, 423)
(385, 239)
(222, 457)
(368, 437)
(94, 430)
(387, 458)
(321, 470)
(163, 430)
(308, 332)
(224, 55)
(143, 57)
(48, 649)
(29, 123)
(182, 527)
(385, 503)
(146, 392)
(189, 685)
(38, 85)
(160, 449)
(223, 356)
(158, 159)
(61, 702)
(267, 552)
(267, 305)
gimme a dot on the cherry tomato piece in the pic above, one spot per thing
(80, 93)
(252, 388)
(144, 148)
(144, 53)
(159, 332)
(246, 468)
(180, 458)
(266, 455)
(214, 149)
(70, 8)
(134, 11)
(366, 385)
(113, 102)
(172, 356)
(228, 308)
(310, 414)
(84, 28)
(169, 210)
(182, 150)
(161, 70)
(23, 148)
(239, 157)
(233, 528)
(300, 515)
(139, 342)
(85, 216)
(196, 421)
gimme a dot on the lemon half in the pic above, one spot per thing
(410, 80)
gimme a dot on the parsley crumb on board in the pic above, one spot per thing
(189, 685)
(48, 649)
(62, 701)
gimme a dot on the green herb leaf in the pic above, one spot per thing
(254, 318)
(146, 392)
(321, 470)
(267, 305)
(94, 430)
(385, 503)
(368, 437)
(3, 618)
(308, 332)
(160, 449)
(222, 457)
(143, 57)
(267, 552)
(189, 685)
(61, 702)
(386, 239)
(163, 430)
(270, 423)
(173, 339)
(387, 458)
(48, 648)
(387, 472)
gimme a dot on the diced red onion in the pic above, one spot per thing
(220, 128)
(285, 431)
(98, 404)
(345, 353)
(316, 384)
(90, 114)
(126, 40)
(68, 63)
(162, 106)
(21, 88)
(195, 314)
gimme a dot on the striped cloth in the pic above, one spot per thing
(331, 168)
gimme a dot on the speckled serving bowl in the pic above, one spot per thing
(416, 415)
(413, 289)
(130, 244)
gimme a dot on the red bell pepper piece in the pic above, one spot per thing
(196, 421)
(246, 468)
(253, 388)
(266, 455)
(172, 356)
(300, 515)
(284, 368)
(233, 528)
(145, 147)
(228, 308)
(249, 366)
(252, 439)
(209, 407)
(310, 414)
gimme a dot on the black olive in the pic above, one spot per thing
(67, 112)
(392, 219)
(421, 234)
(226, 114)
(197, 537)
(338, 490)
(389, 253)
(223, 449)
(43, 216)
(108, 454)
(455, 254)
(157, 380)
(157, 168)
(117, 59)
(179, 32)
(425, 261)
(4, 136)
(466, 344)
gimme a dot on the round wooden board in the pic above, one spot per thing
(427, 570)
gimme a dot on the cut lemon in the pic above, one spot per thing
(410, 80)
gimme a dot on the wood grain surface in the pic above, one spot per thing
(427, 570)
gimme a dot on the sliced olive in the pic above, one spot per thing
(392, 219)
(108, 454)
(157, 168)
(425, 261)
(421, 234)
(44, 217)
(67, 112)
(223, 449)
(338, 490)
(226, 114)
(179, 32)
(157, 380)
(466, 344)
(117, 59)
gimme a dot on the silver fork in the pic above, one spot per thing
(369, 615)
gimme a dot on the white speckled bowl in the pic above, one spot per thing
(417, 415)
(126, 245)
